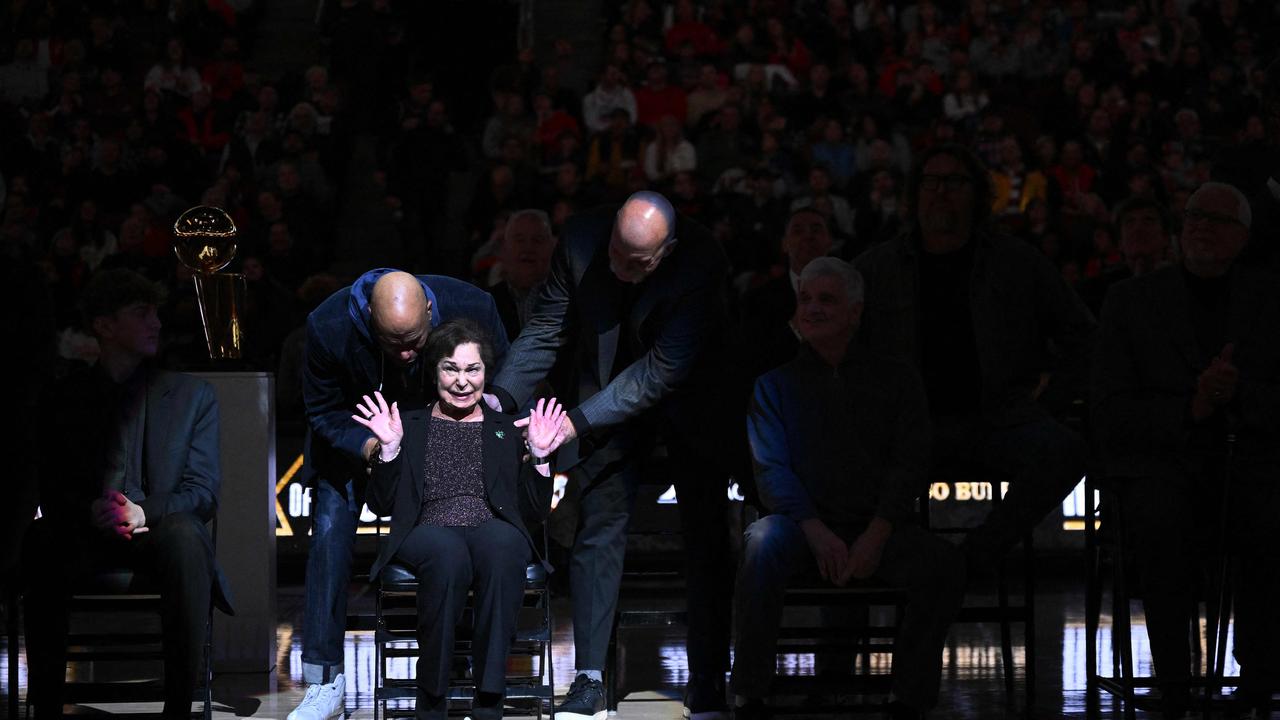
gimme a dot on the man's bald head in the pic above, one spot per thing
(401, 315)
(643, 233)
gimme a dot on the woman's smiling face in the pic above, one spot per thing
(460, 377)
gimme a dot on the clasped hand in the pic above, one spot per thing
(1216, 386)
(115, 513)
(839, 563)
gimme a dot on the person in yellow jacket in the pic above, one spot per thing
(1013, 184)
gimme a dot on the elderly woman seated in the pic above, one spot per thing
(449, 475)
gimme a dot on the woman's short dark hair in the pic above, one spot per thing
(446, 338)
(972, 165)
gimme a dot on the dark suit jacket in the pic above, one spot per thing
(505, 303)
(677, 319)
(1148, 361)
(395, 488)
(342, 363)
(768, 340)
(180, 453)
(1026, 320)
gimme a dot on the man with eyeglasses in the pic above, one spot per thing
(996, 333)
(365, 337)
(636, 298)
(1189, 355)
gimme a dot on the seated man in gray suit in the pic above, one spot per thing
(129, 475)
(840, 441)
(1189, 356)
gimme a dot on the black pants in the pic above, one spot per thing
(177, 553)
(608, 479)
(1042, 459)
(449, 561)
(1175, 525)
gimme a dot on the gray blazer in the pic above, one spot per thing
(180, 452)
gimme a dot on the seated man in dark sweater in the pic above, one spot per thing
(1188, 366)
(1000, 340)
(840, 441)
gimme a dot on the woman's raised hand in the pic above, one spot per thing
(382, 421)
(545, 433)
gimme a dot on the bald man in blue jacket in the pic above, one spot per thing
(365, 337)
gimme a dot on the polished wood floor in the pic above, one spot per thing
(656, 667)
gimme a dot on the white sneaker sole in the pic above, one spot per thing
(708, 715)
(339, 714)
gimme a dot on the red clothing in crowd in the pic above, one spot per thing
(704, 39)
(548, 131)
(1078, 182)
(652, 105)
(203, 130)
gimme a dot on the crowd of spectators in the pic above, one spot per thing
(116, 118)
(789, 129)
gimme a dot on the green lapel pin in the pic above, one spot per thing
(501, 435)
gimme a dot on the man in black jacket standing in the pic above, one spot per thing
(636, 295)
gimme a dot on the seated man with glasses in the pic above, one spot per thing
(1189, 356)
(999, 338)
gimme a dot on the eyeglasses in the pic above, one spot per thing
(951, 183)
(1195, 215)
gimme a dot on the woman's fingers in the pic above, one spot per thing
(382, 402)
(362, 421)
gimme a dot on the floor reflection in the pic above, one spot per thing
(656, 666)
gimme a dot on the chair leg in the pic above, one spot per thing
(1029, 629)
(549, 619)
(1092, 611)
(1121, 640)
(208, 667)
(12, 622)
(1006, 640)
(379, 668)
(1223, 623)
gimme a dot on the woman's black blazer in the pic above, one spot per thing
(395, 488)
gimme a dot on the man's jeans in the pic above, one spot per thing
(777, 555)
(333, 533)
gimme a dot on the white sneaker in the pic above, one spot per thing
(323, 702)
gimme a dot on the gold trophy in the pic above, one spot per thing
(204, 239)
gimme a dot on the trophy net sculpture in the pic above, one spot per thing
(204, 239)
